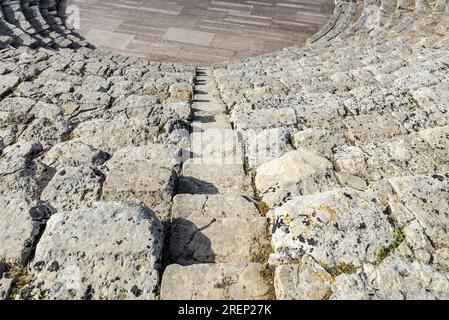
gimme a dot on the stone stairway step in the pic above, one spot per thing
(213, 228)
(200, 178)
(216, 146)
(205, 120)
(230, 281)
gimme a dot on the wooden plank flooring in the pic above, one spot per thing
(200, 31)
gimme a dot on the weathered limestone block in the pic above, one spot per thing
(21, 222)
(364, 129)
(216, 229)
(365, 100)
(14, 117)
(245, 118)
(137, 106)
(438, 138)
(7, 83)
(304, 281)
(109, 251)
(225, 179)
(399, 278)
(145, 175)
(73, 187)
(343, 226)
(433, 100)
(423, 199)
(401, 156)
(174, 111)
(320, 110)
(297, 172)
(115, 134)
(318, 140)
(181, 91)
(266, 145)
(94, 84)
(351, 287)
(21, 175)
(415, 80)
(216, 146)
(74, 153)
(93, 101)
(56, 88)
(48, 125)
(230, 281)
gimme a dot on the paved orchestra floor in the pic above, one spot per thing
(200, 31)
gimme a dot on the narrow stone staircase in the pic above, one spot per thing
(218, 243)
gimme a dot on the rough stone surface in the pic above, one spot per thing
(305, 281)
(21, 174)
(21, 224)
(230, 281)
(73, 187)
(73, 260)
(212, 228)
(143, 175)
(343, 226)
(297, 172)
(210, 179)
(74, 153)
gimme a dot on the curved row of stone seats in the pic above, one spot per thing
(355, 153)
(270, 72)
(34, 23)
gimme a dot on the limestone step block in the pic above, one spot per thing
(225, 179)
(201, 105)
(116, 133)
(399, 278)
(298, 172)
(14, 118)
(338, 227)
(21, 173)
(438, 138)
(74, 153)
(216, 229)
(367, 100)
(7, 84)
(47, 125)
(229, 281)
(364, 129)
(21, 222)
(319, 140)
(420, 204)
(108, 251)
(304, 281)
(432, 101)
(204, 120)
(266, 145)
(244, 119)
(73, 187)
(145, 175)
(400, 156)
(216, 146)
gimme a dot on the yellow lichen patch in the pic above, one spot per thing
(286, 219)
(181, 96)
(162, 95)
(323, 275)
(332, 212)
